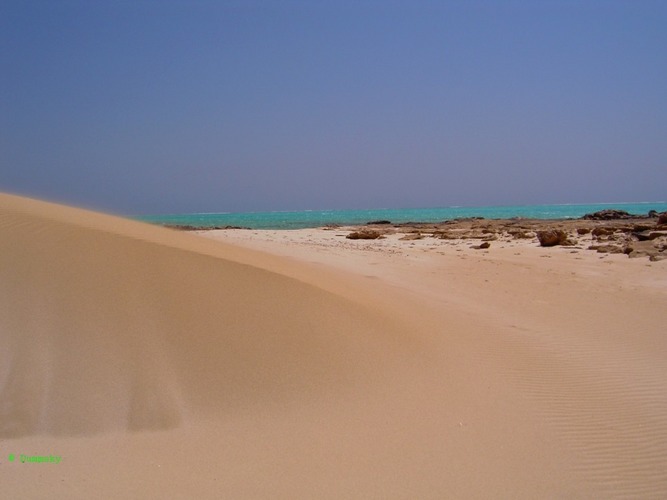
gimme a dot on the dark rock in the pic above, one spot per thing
(583, 230)
(652, 214)
(378, 222)
(364, 234)
(552, 237)
(481, 246)
(662, 218)
(609, 214)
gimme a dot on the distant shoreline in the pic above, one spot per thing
(321, 218)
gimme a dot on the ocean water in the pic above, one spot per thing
(318, 218)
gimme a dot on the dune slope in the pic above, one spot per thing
(111, 325)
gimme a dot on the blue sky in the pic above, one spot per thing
(147, 107)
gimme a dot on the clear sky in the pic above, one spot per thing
(148, 107)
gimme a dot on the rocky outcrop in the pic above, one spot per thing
(609, 214)
(364, 234)
(552, 237)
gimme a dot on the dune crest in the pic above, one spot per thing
(108, 324)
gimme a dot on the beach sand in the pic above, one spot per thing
(300, 364)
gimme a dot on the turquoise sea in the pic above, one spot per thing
(318, 218)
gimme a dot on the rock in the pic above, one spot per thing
(649, 235)
(519, 234)
(657, 257)
(412, 236)
(601, 231)
(378, 222)
(583, 230)
(606, 248)
(662, 218)
(552, 237)
(638, 253)
(444, 235)
(364, 234)
(481, 246)
(642, 227)
(652, 214)
(608, 214)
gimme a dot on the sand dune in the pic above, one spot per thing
(158, 363)
(112, 325)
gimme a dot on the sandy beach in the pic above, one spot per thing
(303, 364)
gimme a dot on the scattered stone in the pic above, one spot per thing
(552, 237)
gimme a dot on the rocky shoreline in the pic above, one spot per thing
(608, 231)
(605, 232)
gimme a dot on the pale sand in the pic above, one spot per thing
(165, 364)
